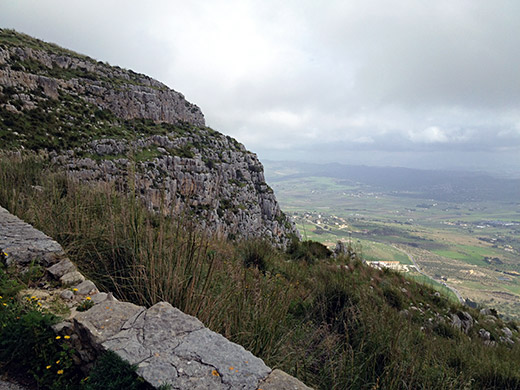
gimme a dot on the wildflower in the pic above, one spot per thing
(0, 297)
(66, 337)
(215, 373)
(5, 254)
(48, 367)
(75, 289)
(88, 298)
(5, 304)
(60, 372)
(33, 297)
(57, 338)
(58, 361)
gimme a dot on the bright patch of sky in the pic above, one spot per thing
(400, 82)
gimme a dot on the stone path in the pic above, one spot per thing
(168, 346)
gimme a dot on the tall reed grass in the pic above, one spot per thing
(335, 324)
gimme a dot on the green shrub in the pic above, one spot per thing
(256, 253)
(393, 297)
(28, 345)
(308, 251)
(110, 372)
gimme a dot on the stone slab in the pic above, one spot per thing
(279, 380)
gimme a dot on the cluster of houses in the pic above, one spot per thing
(395, 265)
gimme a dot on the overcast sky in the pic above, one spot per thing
(431, 84)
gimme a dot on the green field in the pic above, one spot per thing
(473, 245)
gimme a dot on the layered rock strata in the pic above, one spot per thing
(104, 123)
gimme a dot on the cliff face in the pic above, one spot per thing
(106, 123)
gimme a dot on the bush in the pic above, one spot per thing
(308, 251)
(393, 297)
(113, 373)
(28, 344)
(256, 253)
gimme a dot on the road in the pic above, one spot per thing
(455, 291)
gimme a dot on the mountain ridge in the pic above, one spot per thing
(104, 123)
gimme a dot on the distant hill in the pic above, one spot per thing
(448, 186)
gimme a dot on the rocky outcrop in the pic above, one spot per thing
(125, 93)
(216, 180)
(168, 346)
(104, 123)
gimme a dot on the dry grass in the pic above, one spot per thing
(334, 324)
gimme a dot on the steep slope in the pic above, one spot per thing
(105, 123)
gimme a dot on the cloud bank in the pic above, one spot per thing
(402, 82)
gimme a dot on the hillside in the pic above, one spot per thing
(461, 229)
(332, 322)
(81, 138)
(104, 123)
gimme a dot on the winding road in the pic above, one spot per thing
(455, 291)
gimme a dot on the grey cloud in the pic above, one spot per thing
(333, 79)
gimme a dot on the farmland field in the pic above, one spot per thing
(470, 245)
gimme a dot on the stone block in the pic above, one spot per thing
(279, 380)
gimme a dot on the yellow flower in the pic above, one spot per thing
(5, 254)
(88, 298)
(33, 297)
(0, 297)
(58, 361)
(5, 304)
(74, 289)
(60, 372)
(48, 367)
(57, 338)
(66, 337)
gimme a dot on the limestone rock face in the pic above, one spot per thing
(104, 123)
(136, 95)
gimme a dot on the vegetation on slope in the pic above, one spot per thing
(333, 323)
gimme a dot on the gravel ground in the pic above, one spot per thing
(10, 386)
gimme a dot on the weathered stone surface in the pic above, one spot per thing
(67, 294)
(237, 367)
(99, 297)
(107, 319)
(221, 182)
(462, 320)
(24, 244)
(174, 348)
(71, 278)
(5, 385)
(484, 334)
(507, 332)
(63, 267)
(138, 96)
(86, 287)
(279, 380)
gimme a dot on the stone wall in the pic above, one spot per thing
(168, 346)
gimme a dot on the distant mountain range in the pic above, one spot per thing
(448, 186)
